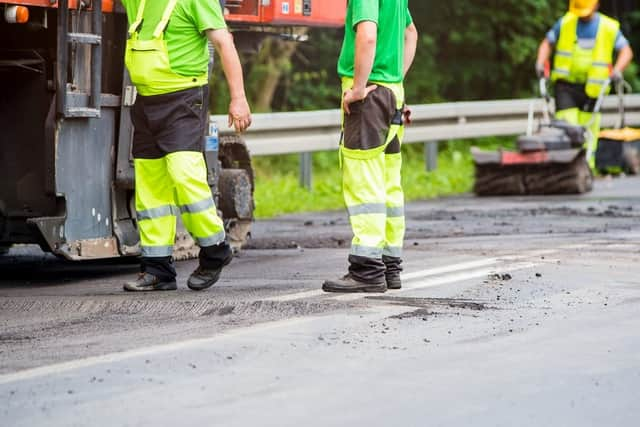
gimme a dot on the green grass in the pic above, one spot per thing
(278, 190)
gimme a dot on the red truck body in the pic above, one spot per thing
(321, 13)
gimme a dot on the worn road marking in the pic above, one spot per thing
(407, 276)
(145, 351)
(452, 268)
(439, 281)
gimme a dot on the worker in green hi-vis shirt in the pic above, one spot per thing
(379, 47)
(168, 59)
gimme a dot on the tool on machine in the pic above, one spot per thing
(619, 148)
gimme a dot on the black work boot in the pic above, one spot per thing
(392, 272)
(393, 280)
(203, 278)
(148, 282)
(349, 284)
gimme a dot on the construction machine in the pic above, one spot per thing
(66, 170)
(549, 160)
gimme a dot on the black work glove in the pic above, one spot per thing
(616, 76)
(540, 71)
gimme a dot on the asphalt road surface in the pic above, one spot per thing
(514, 312)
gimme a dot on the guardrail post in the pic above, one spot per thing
(431, 155)
(306, 170)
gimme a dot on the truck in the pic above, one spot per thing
(66, 170)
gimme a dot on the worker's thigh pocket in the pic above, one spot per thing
(368, 124)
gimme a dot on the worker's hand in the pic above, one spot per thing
(354, 95)
(406, 114)
(239, 114)
(616, 76)
(540, 70)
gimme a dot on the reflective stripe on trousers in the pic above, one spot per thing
(576, 116)
(171, 184)
(373, 194)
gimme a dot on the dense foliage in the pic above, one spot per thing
(480, 49)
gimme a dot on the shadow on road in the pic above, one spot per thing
(34, 268)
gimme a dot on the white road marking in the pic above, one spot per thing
(72, 365)
(450, 268)
(297, 295)
(427, 273)
(439, 281)
(408, 276)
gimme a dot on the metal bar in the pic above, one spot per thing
(431, 155)
(84, 38)
(96, 56)
(62, 62)
(306, 170)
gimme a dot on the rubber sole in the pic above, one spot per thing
(162, 286)
(208, 283)
(373, 289)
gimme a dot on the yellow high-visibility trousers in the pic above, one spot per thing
(175, 183)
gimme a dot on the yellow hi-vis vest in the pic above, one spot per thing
(148, 60)
(570, 59)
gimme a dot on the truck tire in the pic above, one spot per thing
(236, 188)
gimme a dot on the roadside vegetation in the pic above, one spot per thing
(278, 190)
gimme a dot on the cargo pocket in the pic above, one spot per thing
(194, 101)
(370, 125)
(146, 60)
(353, 126)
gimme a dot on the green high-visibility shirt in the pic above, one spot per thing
(186, 41)
(392, 18)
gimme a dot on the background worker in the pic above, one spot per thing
(378, 49)
(167, 57)
(584, 41)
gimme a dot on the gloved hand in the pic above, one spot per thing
(406, 114)
(616, 76)
(540, 70)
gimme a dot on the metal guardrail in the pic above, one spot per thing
(286, 133)
(306, 132)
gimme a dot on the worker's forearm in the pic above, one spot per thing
(223, 42)
(366, 42)
(544, 51)
(410, 46)
(624, 59)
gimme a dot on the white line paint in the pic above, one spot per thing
(408, 276)
(297, 296)
(59, 368)
(439, 281)
(417, 275)
(450, 268)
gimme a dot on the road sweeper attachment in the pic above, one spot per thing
(552, 160)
